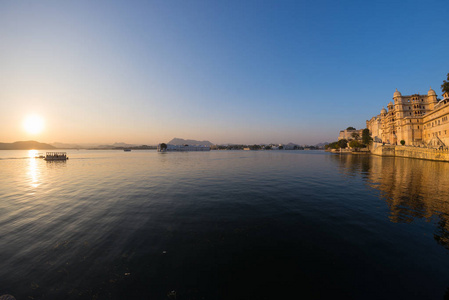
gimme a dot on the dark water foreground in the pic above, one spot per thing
(223, 225)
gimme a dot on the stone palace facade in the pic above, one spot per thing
(419, 120)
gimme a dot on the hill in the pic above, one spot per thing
(177, 141)
(25, 145)
(65, 146)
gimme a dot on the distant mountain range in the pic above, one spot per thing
(65, 146)
(117, 145)
(92, 146)
(177, 141)
(26, 145)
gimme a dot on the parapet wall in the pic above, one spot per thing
(411, 152)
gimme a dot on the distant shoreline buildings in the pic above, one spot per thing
(169, 147)
(417, 120)
(349, 134)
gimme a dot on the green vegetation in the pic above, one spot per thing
(445, 85)
(366, 138)
(402, 142)
(331, 146)
(356, 144)
(337, 145)
(350, 128)
(342, 143)
(163, 146)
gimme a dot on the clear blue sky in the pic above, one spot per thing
(224, 71)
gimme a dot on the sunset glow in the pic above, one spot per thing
(238, 72)
(33, 124)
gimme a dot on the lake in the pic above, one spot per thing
(223, 225)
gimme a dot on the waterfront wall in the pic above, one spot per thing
(410, 152)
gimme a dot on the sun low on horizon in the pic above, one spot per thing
(33, 124)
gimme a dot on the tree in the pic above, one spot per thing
(333, 145)
(445, 85)
(356, 144)
(366, 138)
(342, 143)
(350, 128)
(402, 142)
(163, 146)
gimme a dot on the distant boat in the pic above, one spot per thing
(50, 156)
(39, 155)
(127, 150)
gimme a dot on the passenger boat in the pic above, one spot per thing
(56, 156)
(127, 150)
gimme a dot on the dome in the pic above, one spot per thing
(383, 111)
(397, 94)
(431, 92)
(391, 103)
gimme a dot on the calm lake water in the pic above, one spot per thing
(223, 225)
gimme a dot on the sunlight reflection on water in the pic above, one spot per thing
(33, 172)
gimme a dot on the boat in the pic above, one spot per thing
(51, 156)
(39, 155)
(127, 150)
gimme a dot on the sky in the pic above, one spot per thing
(144, 72)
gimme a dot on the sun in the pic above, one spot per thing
(33, 124)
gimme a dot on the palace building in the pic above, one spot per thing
(419, 120)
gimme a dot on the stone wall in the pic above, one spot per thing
(410, 152)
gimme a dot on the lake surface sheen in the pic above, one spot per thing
(223, 225)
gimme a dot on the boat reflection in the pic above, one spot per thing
(412, 188)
